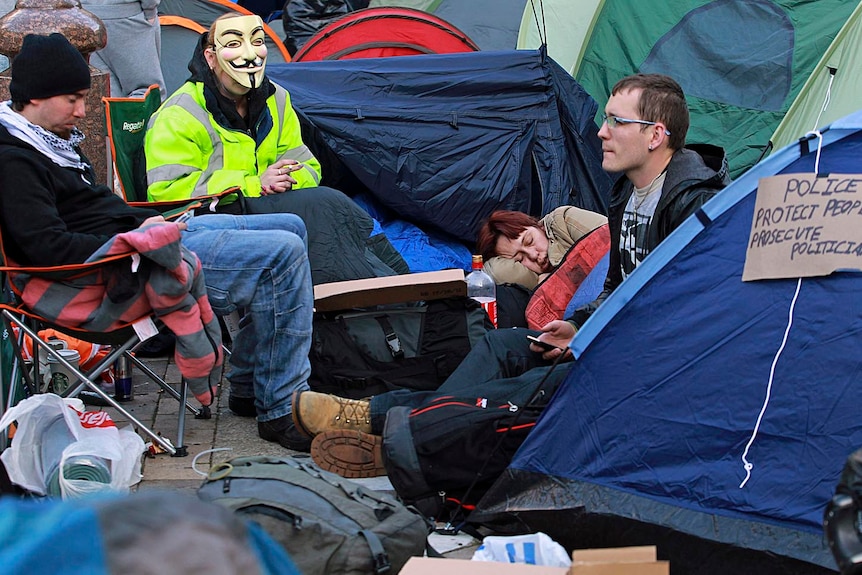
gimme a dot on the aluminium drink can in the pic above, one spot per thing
(123, 390)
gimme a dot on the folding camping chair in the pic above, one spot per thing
(126, 124)
(123, 339)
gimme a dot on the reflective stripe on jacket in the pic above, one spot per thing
(189, 154)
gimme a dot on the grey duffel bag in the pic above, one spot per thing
(328, 524)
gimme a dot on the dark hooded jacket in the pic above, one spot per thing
(52, 215)
(694, 175)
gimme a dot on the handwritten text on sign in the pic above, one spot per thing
(804, 226)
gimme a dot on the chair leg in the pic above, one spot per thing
(165, 386)
(182, 450)
(85, 381)
(32, 386)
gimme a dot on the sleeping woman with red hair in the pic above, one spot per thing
(521, 249)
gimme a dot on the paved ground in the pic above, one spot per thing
(210, 441)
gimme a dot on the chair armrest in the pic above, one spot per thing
(173, 208)
(64, 271)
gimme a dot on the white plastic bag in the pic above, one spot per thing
(94, 434)
(531, 549)
(100, 439)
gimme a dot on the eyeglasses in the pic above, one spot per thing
(614, 121)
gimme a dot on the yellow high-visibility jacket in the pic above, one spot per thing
(189, 154)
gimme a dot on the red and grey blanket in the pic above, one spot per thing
(160, 276)
(551, 297)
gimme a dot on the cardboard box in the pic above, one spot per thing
(618, 561)
(436, 566)
(393, 289)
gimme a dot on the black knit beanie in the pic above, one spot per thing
(47, 66)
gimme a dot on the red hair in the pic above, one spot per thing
(503, 223)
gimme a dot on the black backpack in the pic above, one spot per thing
(329, 525)
(841, 518)
(436, 453)
(359, 353)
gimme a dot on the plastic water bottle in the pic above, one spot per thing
(481, 287)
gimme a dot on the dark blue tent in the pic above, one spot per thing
(686, 374)
(444, 140)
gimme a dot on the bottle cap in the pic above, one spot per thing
(477, 262)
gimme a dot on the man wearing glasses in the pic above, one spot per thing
(663, 182)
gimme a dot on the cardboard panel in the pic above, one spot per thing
(618, 561)
(436, 566)
(386, 290)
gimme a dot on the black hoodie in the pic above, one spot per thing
(52, 215)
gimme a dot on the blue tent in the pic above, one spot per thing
(444, 140)
(686, 373)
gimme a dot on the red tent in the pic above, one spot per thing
(381, 32)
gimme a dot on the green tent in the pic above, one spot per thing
(832, 90)
(741, 62)
(564, 25)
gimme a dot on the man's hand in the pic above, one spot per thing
(558, 333)
(277, 179)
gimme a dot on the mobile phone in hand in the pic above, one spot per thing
(543, 344)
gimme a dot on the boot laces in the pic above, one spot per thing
(352, 411)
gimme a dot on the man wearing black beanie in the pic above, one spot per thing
(47, 66)
(53, 213)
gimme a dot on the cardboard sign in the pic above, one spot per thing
(390, 289)
(805, 225)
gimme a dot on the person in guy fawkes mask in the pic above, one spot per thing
(229, 126)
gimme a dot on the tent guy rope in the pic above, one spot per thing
(745, 463)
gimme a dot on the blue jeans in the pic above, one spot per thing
(260, 263)
(501, 367)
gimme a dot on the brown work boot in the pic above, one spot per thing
(349, 453)
(315, 413)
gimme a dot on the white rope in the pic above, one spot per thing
(825, 101)
(819, 148)
(745, 463)
(195, 460)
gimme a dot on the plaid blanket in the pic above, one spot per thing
(161, 277)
